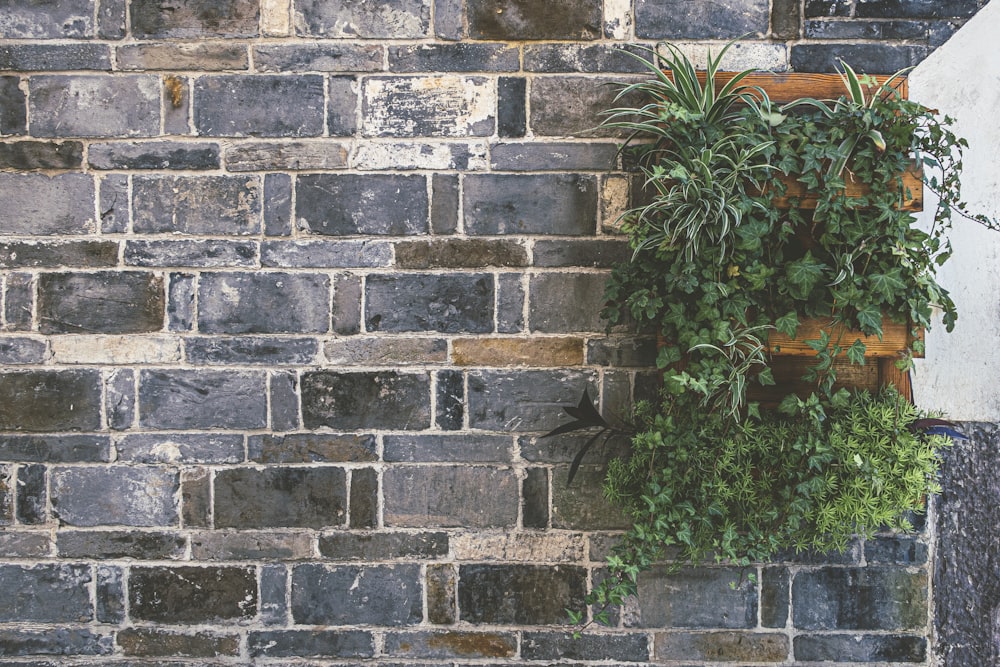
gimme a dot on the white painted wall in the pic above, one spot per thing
(961, 373)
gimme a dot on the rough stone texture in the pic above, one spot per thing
(312, 448)
(105, 302)
(120, 495)
(516, 20)
(182, 56)
(228, 205)
(383, 546)
(256, 106)
(280, 497)
(451, 303)
(50, 593)
(530, 204)
(120, 544)
(362, 19)
(725, 646)
(365, 204)
(42, 57)
(450, 496)
(148, 642)
(153, 155)
(873, 598)
(339, 594)
(311, 644)
(194, 18)
(50, 400)
(202, 399)
(52, 254)
(36, 20)
(260, 156)
(700, 598)
(861, 648)
(441, 106)
(43, 205)
(519, 594)
(192, 594)
(318, 58)
(366, 400)
(239, 303)
(13, 106)
(37, 155)
(87, 106)
(678, 19)
(566, 302)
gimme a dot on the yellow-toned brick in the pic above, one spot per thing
(115, 349)
(561, 351)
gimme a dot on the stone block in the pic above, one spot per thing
(32, 496)
(257, 106)
(566, 302)
(440, 448)
(522, 400)
(510, 303)
(8, 489)
(46, 593)
(277, 205)
(103, 302)
(153, 155)
(326, 254)
(364, 502)
(115, 496)
(521, 547)
(373, 547)
(571, 106)
(196, 497)
(448, 303)
(622, 352)
(371, 399)
(342, 110)
(355, 644)
(18, 302)
(580, 252)
(582, 58)
(280, 497)
(553, 156)
(411, 155)
(441, 585)
(445, 645)
(358, 19)
(189, 253)
(575, 506)
(244, 545)
(49, 57)
(284, 396)
(176, 91)
(55, 641)
(535, 498)
(916, 9)
(679, 19)
(774, 597)
(155, 642)
(287, 155)
(631, 647)
(250, 350)
(171, 56)
(368, 204)
(325, 57)
(428, 106)
(450, 400)
(444, 203)
(450, 496)
(818, 8)
(518, 20)
(512, 111)
(180, 302)
(455, 253)
(195, 399)
(463, 57)
(228, 205)
(506, 594)
(882, 57)
(15, 351)
(119, 398)
(52, 254)
(563, 351)
(55, 448)
(238, 303)
(36, 155)
(364, 351)
(90, 106)
(22, 543)
(896, 550)
(872, 598)
(40, 205)
(113, 544)
(346, 314)
(861, 648)
(723, 646)
(50, 400)
(181, 448)
(341, 594)
(192, 595)
(563, 204)
(13, 106)
(113, 203)
(194, 18)
(700, 597)
(312, 448)
(110, 594)
(273, 594)
(69, 19)
(124, 349)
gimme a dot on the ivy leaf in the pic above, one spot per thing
(856, 353)
(787, 324)
(803, 275)
(887, 285)
(870, 319)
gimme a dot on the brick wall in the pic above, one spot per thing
(288, 286)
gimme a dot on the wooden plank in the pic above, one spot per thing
(895, 339)
(784, 87)
(889, 375)
(912, 191)
(788, 372)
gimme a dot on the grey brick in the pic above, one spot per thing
(277, 205)
(346, 304)
(312, 448)
(194, 18)
(181, 448)
(32, 497)
(182, 56)
(349, 401)
(873, 598)
(896, 550)
(449, 23)
(342, 114)
(56, 641)
(460, 253)
(191, 399)
(529, 400)
(575, 507)
(678, 19)
(50, 400)
(111, 19)
(241, 105)
(341, 205)
(635, 352)
(110, 596)
(326, 254)
(373, 547)
(512, 110)
(465, 57)
(188, 253)
(88, 106)
(280, 497)
(158, 642)
(263, 303)
(311, 644)
(421, 106)
(728, 646)
(774, 597)
(284, 155)
(13, 106)
(14, 351)
(563, 204)
(412, 155)
(34, 155)
(786, 19)
(456, 448)
(196, 497)
(18, 302)
(385, 351)
(273, 587)
(701, 598)
(8, 489)
(450, 404)
(180, 302)
(630, 647)
(176, 93)
(34, 20)
(843, 30)
(817, 8)
(39, 205)
(340, 595)
(115, 495)
(52, 254)
(153, 155)
(535, 495)
(285, 413)
(517, 20)
(581, 58)
(442, 645)
(251, 350)
(227, 205)
(192, 595)
(441, 585)
(563, 302)
(113, 203)
(328, 57)
(23, 543)
(364, 500)
(510, 303)
(861, 648)
(47, 57)
(554, 156)
(520, 594)
(103, 302)
(444, 203)
(390, 19)
(119, 398)
(862, 57)
(104, 544)
(571, 106)
(55, 448)
(916, 9)
(447, 303)
(246, 545)
(450, 496)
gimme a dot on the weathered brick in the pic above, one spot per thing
(280, 497)
(342, 111)
(450, 400)
(328, 57)
(441, 585)
(571, 106)
(439, 448)
(312, 448)
(450, 496)
(520, 594)
(263, 303)
(47, 593)
(391, 19)
(582, 58)
(896, 550)
(182, 56)
(55, 641)
(326, 254)
(566, 302)
(636, 352)
(816, 8)
(153, 155)
(563, 204)
(364, 501)
(32, 496)
(861, 648)
(34, 155)
(379, 399)
(284, 399)
(510, 303)
(250, 350)
(558, 547)
(726, 646)
(194, 18)
(21, 543)
(39, 205)
(273, 598)
(464, 57)
(346, 314)
(125, 349)
(8, 489)
(916, 9)
(575, 506)
(119, 398)
(18, 302)
(191, 595)
(630, 647)
(115, 495)
(120, 544)
(517, 20)
(196, 497)
(277, 205)
(873, 598)
(678, 19)
(188, 253)
(15, 351)
(862, 57)
(341, 594)
(191, 399)
(176, 93)
(89, 106)
(13, 106)
(528, 400)
(50, 400)
(51, 254)
(512, 111)
(181, 448)
(227, 205)
(46, 57)
(385, 351)
(700, 598)
(218, 545)
(535, 498)
(563, 351)
(409, 155)
(370, 204)
(460, 253)
(113, 203)
(786, 19)
(555, 156)
(71, 18)
(311, 644)
(428, 106)
(103, 302)
(774, 597)
(291, 156)
(153, 642)
(443, 645)
(449, 303)
(444, 203)
(241, 105)
(110, 594)
(843, 30)
(373, 547)
(180, 302)
(55, 448)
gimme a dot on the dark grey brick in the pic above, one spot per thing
(774, 599)
(89, 106)
(8, 488)
(637, 352)
(285, 413)
(535, 495)
(896, 550)
(273, 588)
(180, 302)
(512, 111)
(510, 303)
(277, 204)
(371, 204)
(700, 598)
(111, 19)
(529, 400)
(48, 57)
(49, 593)
(18, 302)
(196, 497)
(517, 20)
(340, 595)
(722, 645)
(55, 641)
(286, 155)
(116, 495)
(444, 203)
(454, 253)
(450, 404)
(843, 29)
(38, 205)
(326, 254)
(786, 19)
(192, 594)
(194, 18)
(153, 155)
(349, 401)
(457, 448)
(55, 448)
(181, 448)
(563, 302)
(110, 596)
(187, 253)
(257, 106)
(441, 586)
(916, 9)
(876, 58)
(450, 496)
(443, 645)
(120, 544)
(873, 598)
(908, 30)
(385, 351)
(312, 448)
(421, 106)
(176, 93)
(119, 398)
(328, 57)
(34, 155)
(373, 547)
(630, 647)
(342, 114)
(571, 106)
(102, 302)
(817, 8)
(32, 497)
(861, 648)
(191, 399)
(311, 644)
(247, 545)
(449, 303)
(449, 23)
(227, 205)
(346, 304)
(679, 19)
(113, 201)
(44, 20)
(15, 351)
(263, 303)
(50, 400)
(182, 56)
(13, 106)
(555, 156)
(520, 594)
(590, 253)
(574, 506)
(51, 254)
(251, 350)
(364, 501)
(581, 58)
(465, 57)
(157, 642)
(390, 19)
(564, 204)
(21, 543)
(280, 497)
